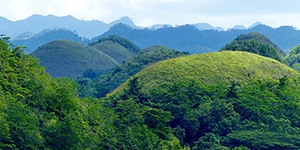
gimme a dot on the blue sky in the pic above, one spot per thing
(223, 13)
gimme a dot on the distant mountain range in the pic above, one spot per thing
(47, 35)
(193, 38)
(26, 28)
(38, 23)
(189, 38)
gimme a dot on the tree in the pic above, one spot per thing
(208, 141)
(252, 45)
(5, 137)
(131, 132)
(262, 140)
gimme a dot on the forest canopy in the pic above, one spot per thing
(255, 43)
(40, 112)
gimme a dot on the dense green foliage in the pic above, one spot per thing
(261, 39)
(255, 104)
(63, 58)
(256, 109)
(293, 58)
(103, 85)
(262, 114)
(40, 112)
(255, 43)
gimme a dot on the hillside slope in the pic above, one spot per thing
(63, 58)
(118, 75)
(263, 39)
(116, 47)
(293, 58)
(256, 43)
(155, 48)
(234, 98)
(211, 68)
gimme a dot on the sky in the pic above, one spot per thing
(219, 13)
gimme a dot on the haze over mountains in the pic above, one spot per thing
(88, 29)
(193, 38)
(38, 23)
(124, 96)
(195, 41)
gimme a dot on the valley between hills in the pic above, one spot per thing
(151, 88)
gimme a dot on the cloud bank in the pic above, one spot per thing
(224, 13)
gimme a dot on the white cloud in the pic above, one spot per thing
(224, 13)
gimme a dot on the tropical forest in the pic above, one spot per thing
(172, 88)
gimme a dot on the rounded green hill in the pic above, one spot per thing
(115, 50)
(63, 58)
(293, 58)
(155, 48)
(262, 39)
(256, 43)
(211, 68)
(117, 47)
(119, 75)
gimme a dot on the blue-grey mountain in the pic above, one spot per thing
(195, 41)
(37, 23)
(46, 36)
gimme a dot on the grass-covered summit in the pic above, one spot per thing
(211, 68)
(63, 58)
(293, 58)
(256, 43)
(155, 48)
(117, 47)
(105, 84)
(221, 100)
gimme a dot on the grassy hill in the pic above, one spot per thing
(117, 47)
(211, 68)
(208, 104)
(189, 112)
(155, 48)
(256, 43)
(114, 50)
(63, 58)
(293, 58)
(263, 39)
(118, 75)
